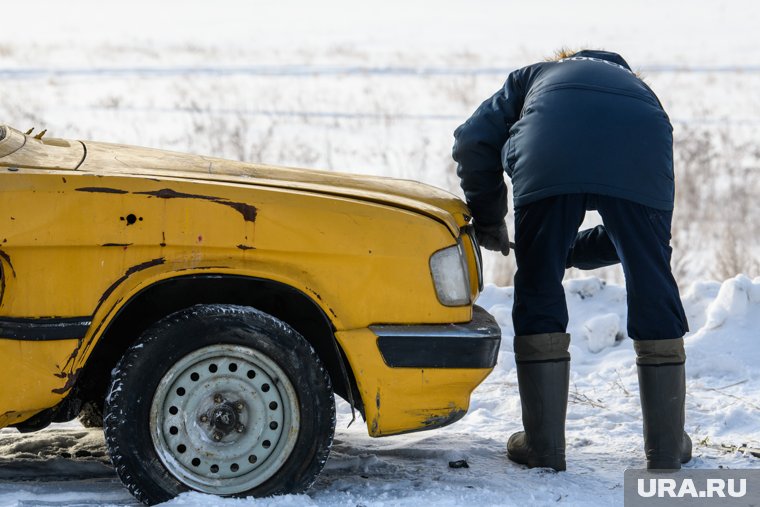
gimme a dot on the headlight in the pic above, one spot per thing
(450, 276)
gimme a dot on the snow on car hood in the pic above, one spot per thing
(412, 195)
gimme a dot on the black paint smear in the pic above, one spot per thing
(71, 379)
(248, 211)
(8, 260)
(168, 193)
(130, 271)
(246, 247)
(44, 328)
(102, 190)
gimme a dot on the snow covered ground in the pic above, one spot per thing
(378, 88)
(67, 464)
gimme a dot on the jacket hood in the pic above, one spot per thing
(604, 55)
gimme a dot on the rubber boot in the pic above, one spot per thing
(543, 376)
(662, 386)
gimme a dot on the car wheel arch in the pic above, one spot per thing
(169, 295)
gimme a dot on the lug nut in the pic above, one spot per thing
(204, 418)
(218, 436)
(239, 406)
(218, 398)
(240, 428)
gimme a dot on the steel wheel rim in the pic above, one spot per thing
(224, 419)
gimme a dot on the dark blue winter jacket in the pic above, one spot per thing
(584, 124)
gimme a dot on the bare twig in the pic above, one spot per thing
(582, 399)
(619, 383)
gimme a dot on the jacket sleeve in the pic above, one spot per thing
(477, 150)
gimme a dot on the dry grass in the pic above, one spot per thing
(716, 225)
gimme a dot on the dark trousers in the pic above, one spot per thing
(547, 240)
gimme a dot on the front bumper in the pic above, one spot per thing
(471, 345)
(419, 377)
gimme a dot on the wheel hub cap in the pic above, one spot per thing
(224, 419)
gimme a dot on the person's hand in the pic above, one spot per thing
(493, 237)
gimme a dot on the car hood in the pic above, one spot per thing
(412, 195)
(94, 157)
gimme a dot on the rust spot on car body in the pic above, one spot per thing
(248, 211)
(102, 190)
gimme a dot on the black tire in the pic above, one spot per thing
(129, 438)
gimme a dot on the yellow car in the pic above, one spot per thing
(208, 309)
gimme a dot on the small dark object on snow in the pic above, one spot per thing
(460, 463)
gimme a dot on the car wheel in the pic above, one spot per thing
(222, 399)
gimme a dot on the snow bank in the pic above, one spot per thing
(727, 345)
